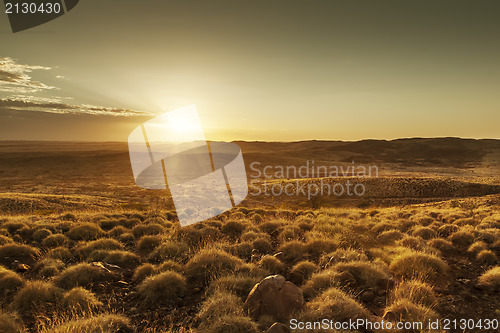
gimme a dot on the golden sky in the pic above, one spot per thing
(257, 70)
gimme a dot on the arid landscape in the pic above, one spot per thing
(83, 249)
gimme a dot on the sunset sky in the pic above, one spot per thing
(257, 70)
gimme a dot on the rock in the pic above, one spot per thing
(275, 297)
(278, 328)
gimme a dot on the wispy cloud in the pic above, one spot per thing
(15, 77)
(55, 106)
(22, 89)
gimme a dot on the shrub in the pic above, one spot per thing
(104, 323)
(302, 271)
(211, 263)
(414, 243)
(80, 300)
(272, 264)
(164, 289)
(335, 305)
(271, 227)
(383, 226)
(83, 275)
(142, 272)
(147, 229)
(9, 253)
(170, 250)
(37, 296)
(491, 278)
(55, 240)
(40, 234)
(12, 227)
(487, 257)
(10, 323)
(9, 282)
(462, 239)
(418, 265)
(242, 250)
(86, 232)
(416, 291)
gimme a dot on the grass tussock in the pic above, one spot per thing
(104, 323)
(17, 253)
(491, 279)
(11, 323)
(416, 291)
(164, 289)
(209, 264)
(10, 281)
(418, 265)
(37, 296)
(83, 275)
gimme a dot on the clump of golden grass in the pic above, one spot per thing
(302, 271)
(55, 240)
(85, 251)
(272, 264)
(263, 245)
(60, 253)
(176, 250)
(86, 232)
(293, 251)
(40, 234)
(487, 257)
(233, 229)
(390, 236)
(442, 245)
(405, 310)
(9, 281)
(222, 312)
(319, 282)
(104, 323)
(48, 267)
(164, 289)
(143, 271)
(447, 229)
(418, 265)
(148, 244)
(37, 296)
(425, 233)
(147, 229)
(79, 300)
(343, 255)
(336, 305)
(367, 275)
(83, 275)
(240, 284)
(462, 239)
(10, 253)
(5, 240)
(416, 291)
(10, 323)
(491, 278)
(210, 263)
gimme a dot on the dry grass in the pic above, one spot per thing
(491, 279)
(83, 275)
(10, 323)
(209, 264)
(164, 289)
(37, 296)
(9, 281)
(105, 323)
(418, 265)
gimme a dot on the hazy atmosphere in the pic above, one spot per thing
(257, 70)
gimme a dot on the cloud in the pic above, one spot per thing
(47, 105)
(15, 78)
